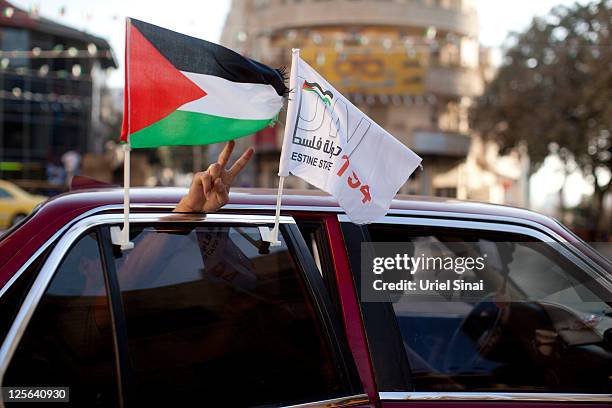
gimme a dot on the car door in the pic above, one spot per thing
(200, 311)
(58, 330)
(534, 336)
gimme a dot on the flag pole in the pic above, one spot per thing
(121, 236)
(125, 242)
(272, 236)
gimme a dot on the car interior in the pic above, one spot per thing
(537, 315)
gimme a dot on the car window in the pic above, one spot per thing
(15, 293)
(541, 278)
(216, 317)
(68, 342)
(536, 327)
(4, 194)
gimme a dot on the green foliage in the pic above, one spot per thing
(553, 92)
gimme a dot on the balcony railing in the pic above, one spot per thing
(279, 15)
(456, 81)
(439, 143)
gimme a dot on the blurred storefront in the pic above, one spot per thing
(414, 66)
(51, 93)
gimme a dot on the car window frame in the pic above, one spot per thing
(322, 300)
(123, 363)
(387, 366)
(101, 223)
(463, 222)
(316, 226)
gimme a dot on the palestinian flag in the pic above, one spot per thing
(181, 90)
(326, 96)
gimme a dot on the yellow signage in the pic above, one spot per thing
(377, 72)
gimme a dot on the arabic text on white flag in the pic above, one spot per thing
(335, 147)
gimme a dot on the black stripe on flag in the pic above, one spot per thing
(203, 57)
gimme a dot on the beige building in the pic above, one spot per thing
(414, 66)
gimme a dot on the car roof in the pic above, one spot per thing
(295, 199)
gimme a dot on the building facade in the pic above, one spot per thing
(51, 87)
(414, 66)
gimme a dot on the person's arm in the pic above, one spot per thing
(209, 192)
(209, 189)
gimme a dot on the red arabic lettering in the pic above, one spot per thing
(344, 166)
(353, 180)
(353, 184)
(365, 190)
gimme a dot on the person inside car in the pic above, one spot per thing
(209, 192)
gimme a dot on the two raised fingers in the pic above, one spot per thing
(225, 154)
(216, 172)
(217, 169)
(240, 163)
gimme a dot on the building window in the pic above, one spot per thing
(450, 192)
(14, 39)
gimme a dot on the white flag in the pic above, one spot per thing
(334, 146)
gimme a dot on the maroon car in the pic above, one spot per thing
(203, 312)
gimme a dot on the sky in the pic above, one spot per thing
(498, 17)
(205, 18)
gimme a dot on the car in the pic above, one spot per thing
(15, 204)
(204, 312)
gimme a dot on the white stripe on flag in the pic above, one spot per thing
(236, 100)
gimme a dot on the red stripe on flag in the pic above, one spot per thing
(154, 87)
(124, 123)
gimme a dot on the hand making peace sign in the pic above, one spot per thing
(209, 189)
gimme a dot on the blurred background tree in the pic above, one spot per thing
(553, 95)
